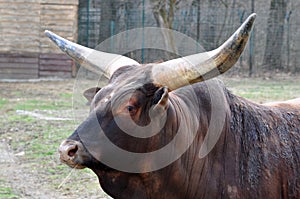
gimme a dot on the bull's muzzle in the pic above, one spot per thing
(72, 153)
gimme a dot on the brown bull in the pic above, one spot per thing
(156, 133)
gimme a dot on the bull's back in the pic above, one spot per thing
(293, 104)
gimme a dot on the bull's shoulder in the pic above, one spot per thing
(289, 104)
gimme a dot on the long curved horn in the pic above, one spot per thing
(187, 70)
(91, 59)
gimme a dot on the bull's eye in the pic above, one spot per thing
(131, 109)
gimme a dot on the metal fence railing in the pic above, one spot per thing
(208, 22)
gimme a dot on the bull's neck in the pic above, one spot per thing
(194, 165)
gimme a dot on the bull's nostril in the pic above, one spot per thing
(72, 151)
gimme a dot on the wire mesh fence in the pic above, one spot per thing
(274, 46)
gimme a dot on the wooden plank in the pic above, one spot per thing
(22, 32)
(17, 55)
(30, 11)
(18, 60)
(19, 49)
(14, 19)
(21, 1)
(19, 40)
(19, 25)
(55, 62)
(18, 76)
(16, 40)
(54, 56)
(18, 71)
(57, 68)
(46, 8)
(65, 23)
(19, 65)
(54, 74)
(9, 5)
(65, 2)
(58, 26)
(68, 16)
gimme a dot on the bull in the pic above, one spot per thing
(218, 145)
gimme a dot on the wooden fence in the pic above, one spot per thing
(25, 52)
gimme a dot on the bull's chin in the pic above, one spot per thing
(71, 162)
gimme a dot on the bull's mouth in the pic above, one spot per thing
(71, 162)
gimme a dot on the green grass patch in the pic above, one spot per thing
(19, 118)
(42, 105)
(37, 149)
(3, 102)
(45, 144)
(61, 167)
(7, 193)
(66, 95)
(264, 91)
(52, 171)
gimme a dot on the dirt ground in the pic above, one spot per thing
(34, 118)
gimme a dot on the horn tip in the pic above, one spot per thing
(59, 41)
(252, 16)
(246, 27)
(251, 19)
(48, 33)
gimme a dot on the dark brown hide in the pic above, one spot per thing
(257, 155)
(267, 149)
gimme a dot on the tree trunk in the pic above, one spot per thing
(164, 19)
(275, 32)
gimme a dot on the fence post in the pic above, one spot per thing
(288, 39)
(198, 21)
(143, 36)
(87, 22)
(241, 15)
(251, 44)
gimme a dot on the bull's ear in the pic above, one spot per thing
(161, 98)
(90, 93)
